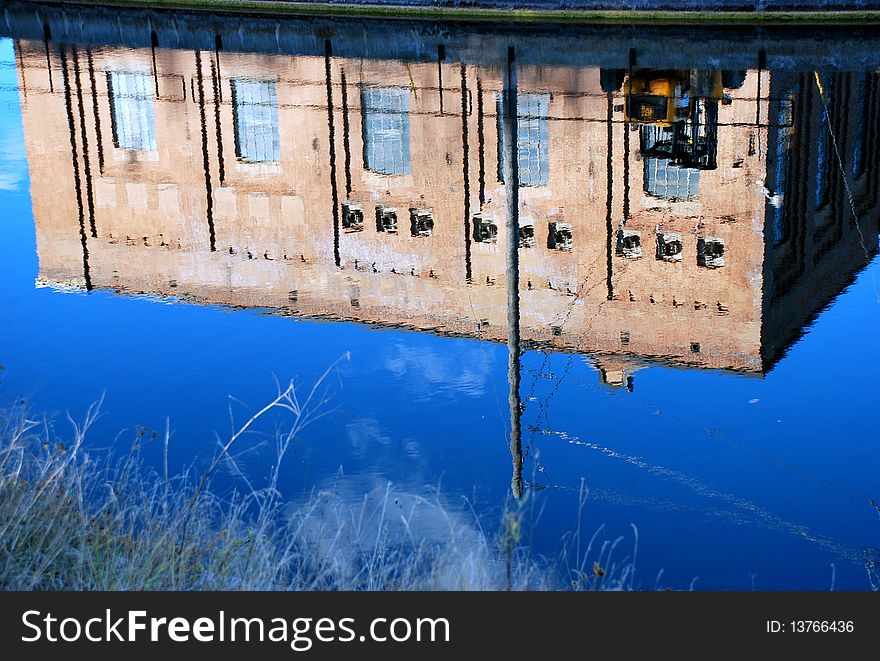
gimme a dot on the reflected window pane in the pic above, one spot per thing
(779, 217)
(823, 144)
(255, 110)
(532, 139)
(669, 181)
(131, 110)
(859, 132)
(386, 130)
(822, 162)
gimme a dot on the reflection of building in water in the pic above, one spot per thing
(371, 190)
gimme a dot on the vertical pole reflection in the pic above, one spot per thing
(21, 69)
(511, 178)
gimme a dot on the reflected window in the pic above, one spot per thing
(352, 217)
(692, 142)
(668, 181)
(421, 222)
(823, 145)
(559, 236)
(822, 162)
(629, 244)
(386, 130)
(859, 132)
(386, 219)
(485, 229)
(255, 114)
(527, 235)
(131, 110)
(669, 247)
(778, 217)
(533, 139)
(710, 252)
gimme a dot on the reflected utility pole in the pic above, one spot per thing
(511, 179)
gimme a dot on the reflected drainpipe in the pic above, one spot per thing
(762, 64)
(218, 46)
(95, 111)
(441, 56)
(466, 177)
(87, 164)
(77, 183)
(154, 43)
(481, 141)
(328, 53)
(206, 161)
(47, 37)
(218, 95)
(626, 139)
(346, 132)
(626, 191)
(511, 178)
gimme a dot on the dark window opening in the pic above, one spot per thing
(421, 222)
(710, 252)
(779, 219)
(559, 236)
(485, 230)
(352, 217)
(629, 244)
(527, 236)
(669, 247)
(386, 220)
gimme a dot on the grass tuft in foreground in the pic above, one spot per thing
(71, 520)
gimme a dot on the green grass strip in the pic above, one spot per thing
(512, 15)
